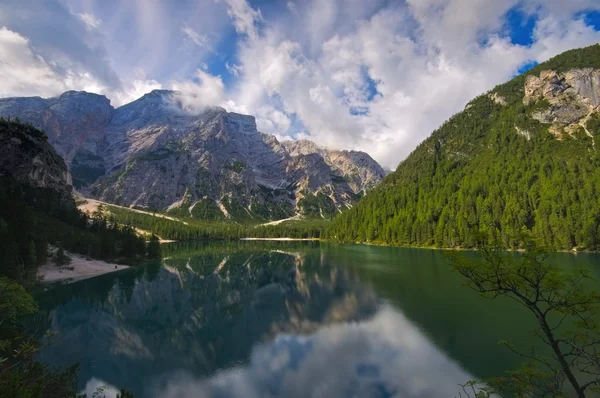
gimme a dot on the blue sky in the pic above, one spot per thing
(373, 75)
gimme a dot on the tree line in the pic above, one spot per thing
(493, 169)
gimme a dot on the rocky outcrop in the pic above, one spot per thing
(150, 153)
(564, 100)
(26, 156)
(497, 98)
(68, 120)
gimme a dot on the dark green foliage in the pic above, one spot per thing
(158, 154)
(593, 124)
(190, 229)
(123, 393)
(477, 172)
(154, 252)
(31, 218)
(207, 209)
(317, 206)
(20, 374)
(238, 212)
(558, 300)
(204, 209)
(577, 58)
(306, 229)
(60, 258)
(236, 166)
(86, 168)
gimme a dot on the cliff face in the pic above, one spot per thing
(26, 156)
(68, 120)
(214, 165)
(571, 100)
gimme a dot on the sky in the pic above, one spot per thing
(371, 75)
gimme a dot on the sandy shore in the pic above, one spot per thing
(82, 269)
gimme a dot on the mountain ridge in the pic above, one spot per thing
(516, 157)
(151, 153)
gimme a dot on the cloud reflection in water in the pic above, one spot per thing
(386, 356)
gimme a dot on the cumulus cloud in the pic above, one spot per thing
(244, 17)
(23, 72)
(384, 357)
(195, 96)
(133, 91)
(374, 75)
(385, 79)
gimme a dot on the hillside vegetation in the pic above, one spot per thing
(496, 167)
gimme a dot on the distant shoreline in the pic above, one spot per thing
(284, 239)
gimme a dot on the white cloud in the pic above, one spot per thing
(244, 17)
(90, 20)
(425, 59)
(195, 37)
(23, 72)
(133, 91)
(292, 7)
(195, 97)
(384, 356)
(233, 69)
(372, 75)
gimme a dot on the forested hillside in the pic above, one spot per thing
(36, 210)
(193, 229)
(523, 155)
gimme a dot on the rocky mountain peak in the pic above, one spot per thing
(154, 152)
(301, 147)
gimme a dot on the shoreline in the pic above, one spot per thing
(284, 239)
(83, 268)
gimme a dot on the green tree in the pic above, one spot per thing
(20, 374)
(561, 303)
(61, 259)
(154, 252)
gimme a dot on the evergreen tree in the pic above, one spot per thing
(154, 252)
(61, 259)
(478, 173)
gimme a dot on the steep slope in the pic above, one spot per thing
(215, 165)
(523, 155)
(27, 158)
(37, 209)
(73, 122)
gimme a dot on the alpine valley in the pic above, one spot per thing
(212, 165)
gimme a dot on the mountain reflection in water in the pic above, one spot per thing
(243, 321)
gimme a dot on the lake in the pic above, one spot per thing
(285, 319)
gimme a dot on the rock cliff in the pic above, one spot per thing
(215, 165)
(26, 156)
(567, 101)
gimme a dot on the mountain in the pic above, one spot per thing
(28, 159)
(37, 209)
(213, 165)
(207, 311)
(526, 154)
